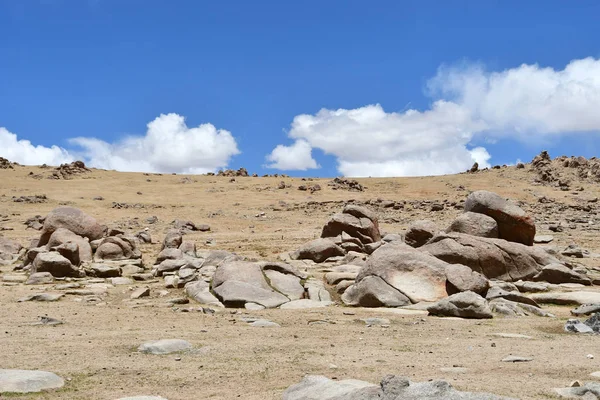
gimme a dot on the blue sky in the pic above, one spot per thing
(342, 87)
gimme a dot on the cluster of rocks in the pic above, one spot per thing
(34, 199)
(468, 269)
(223, 279)
(351, 185)
(74, 244)
(315, 187)
(68, 171)
(563, 169)
(6, 164)
(233, 173)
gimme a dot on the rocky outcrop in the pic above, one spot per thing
(397, 274)
(73, 220)
(514, 224)
(493, 258)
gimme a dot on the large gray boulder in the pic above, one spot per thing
(397, 274)
(416, 275)
(62, 236)
(420, 232)
(392, 387)
(239, 282)
(116, 248)
(464, 305)
(475, 224)
(318, 250)
(558, 273)
(372, 291)
(358, 222)
(74, 220)
(514, 224)
(54, 263)
(494, 258)
(200, 291)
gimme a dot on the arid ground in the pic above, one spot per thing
(95, 348)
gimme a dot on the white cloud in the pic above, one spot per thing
(527, 103)
(168, 146)
(23, 152)
(295, 157)
(367, 141)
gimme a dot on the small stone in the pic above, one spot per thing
(165, 346)
(514, 359)
(142, 398)
(253, 306)
(264, 323)
(42, 297)
(511, 336)
(540, 239)
(40, 278)
(376, 322)
(454, 370)
(140, 292)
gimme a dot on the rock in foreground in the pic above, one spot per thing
(314, 387)
(27, 381)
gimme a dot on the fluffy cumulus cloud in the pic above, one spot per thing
(23, 152)
(470, 105)
(297, 157)
(368, 141)
(169, 145)
(529, 101)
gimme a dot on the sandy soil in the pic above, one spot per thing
(96, 347)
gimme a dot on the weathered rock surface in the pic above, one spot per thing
(165, 346)
(494, 258)
(200, 291)
(356, 221)
(464, 305)
(586, 309)
(475, 224)
(54, 263)
(392, 387)
(373, 291)
(558, 273)
(417, 275)
(318, 250)
(567, 298)
(72, 219)
(590, 390)
(420, 232)
(28, 381)
(62, 236)
(514, 224)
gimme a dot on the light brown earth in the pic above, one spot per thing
(95, 348)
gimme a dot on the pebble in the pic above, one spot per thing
(514, 359)
(140, 292)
